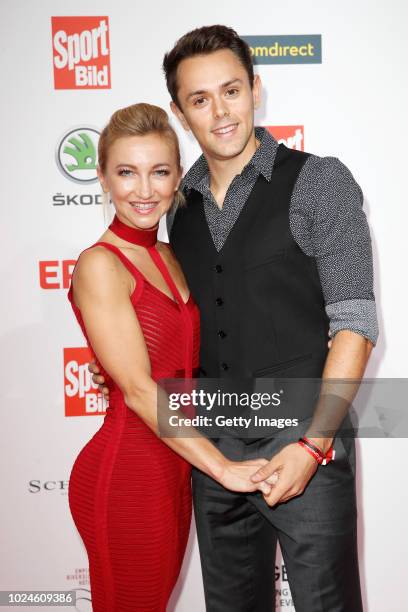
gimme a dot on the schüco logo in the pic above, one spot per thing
(292, 136)
(37, 486)
(82, 397)
(81, 54)
(292, 49)
(76, 154)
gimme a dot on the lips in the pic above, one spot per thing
(225, 129)
(143, 207)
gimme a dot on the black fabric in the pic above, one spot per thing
(262, 314)
(317, 533)
(260, 298)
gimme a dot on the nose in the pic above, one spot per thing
(220, 108)
(144, 188)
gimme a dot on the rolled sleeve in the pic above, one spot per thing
(331, 224)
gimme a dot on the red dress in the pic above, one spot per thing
(129, 493)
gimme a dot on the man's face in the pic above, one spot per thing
(217, 102)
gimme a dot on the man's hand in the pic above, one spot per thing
(236, 476)
(98, 379)
(291, 469)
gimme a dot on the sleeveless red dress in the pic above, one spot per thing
(129, 493)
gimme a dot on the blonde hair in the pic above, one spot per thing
(138, 120)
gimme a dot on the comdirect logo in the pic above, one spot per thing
(82, 397)
(76, 155)
(292, 136)
(292, 49)
(81, 54)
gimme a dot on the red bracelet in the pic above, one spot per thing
(316, 452)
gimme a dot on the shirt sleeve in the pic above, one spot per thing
(328, 223)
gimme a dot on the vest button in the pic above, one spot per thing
(218, 268)
(222, 333)
(219, 301)
(224, 366)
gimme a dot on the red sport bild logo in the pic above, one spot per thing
(82, 397)
(81, 54)
(292, 136)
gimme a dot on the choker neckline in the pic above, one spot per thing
(145, 238)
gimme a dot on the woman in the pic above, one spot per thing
(129, 491)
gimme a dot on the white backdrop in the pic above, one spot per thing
(352, 105)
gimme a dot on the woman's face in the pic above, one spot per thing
(142, 177)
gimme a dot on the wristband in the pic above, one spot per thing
(316, 452)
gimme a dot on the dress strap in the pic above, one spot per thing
(158, 260)
(125, 260)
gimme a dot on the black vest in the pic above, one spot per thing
(260, 297)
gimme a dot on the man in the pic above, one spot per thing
(276, 250)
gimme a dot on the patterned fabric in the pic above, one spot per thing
(327, 221)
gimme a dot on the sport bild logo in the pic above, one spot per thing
(81, 54)
(293, 136)
(82, 397)
(76, 154)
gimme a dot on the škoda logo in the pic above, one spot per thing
(76, 154)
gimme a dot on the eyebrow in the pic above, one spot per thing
(132, 166)
(223, 86)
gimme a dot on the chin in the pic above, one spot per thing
(232, 149)
(146, 223)
(143, 222)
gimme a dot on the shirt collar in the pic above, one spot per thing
(262, 162)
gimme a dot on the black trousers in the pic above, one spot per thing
(317, 533)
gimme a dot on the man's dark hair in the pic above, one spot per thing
(201, 42)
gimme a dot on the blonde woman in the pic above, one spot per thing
(129, 490)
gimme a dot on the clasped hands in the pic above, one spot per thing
(286, 475)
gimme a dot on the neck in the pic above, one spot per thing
(223, 171)
(135, 235)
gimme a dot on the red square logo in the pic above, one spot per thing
(81, 53)
(82, 397)
(292, 136)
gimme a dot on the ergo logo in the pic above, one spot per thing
(291, 136)
(82, 397)
(56, 274)
(81, 55)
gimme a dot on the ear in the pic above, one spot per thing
(179, 114)
(257, 91)
(102, 180)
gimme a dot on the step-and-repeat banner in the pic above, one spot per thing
(334, 78)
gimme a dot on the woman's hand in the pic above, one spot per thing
(236, 476)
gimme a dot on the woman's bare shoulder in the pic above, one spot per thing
(97, 265)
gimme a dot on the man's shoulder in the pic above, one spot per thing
(324, 166)
(195, 174)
